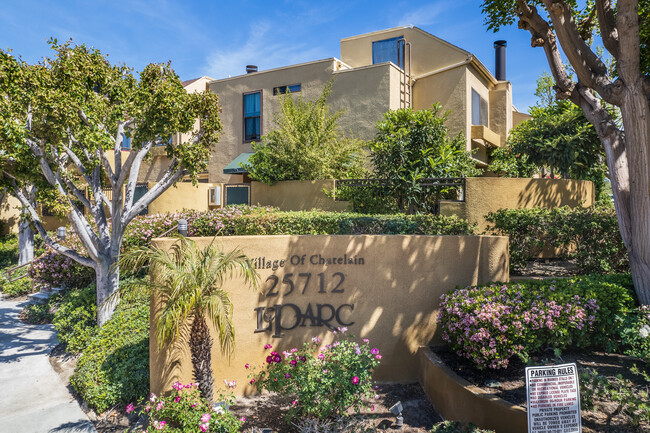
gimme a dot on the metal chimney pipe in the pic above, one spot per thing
(500, 60)
(251, 68)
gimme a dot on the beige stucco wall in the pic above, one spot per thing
(297, 195)
(364, 95)
(518, 117)
(312, 76)
(449, 88)
(183, 195)
(9, 214)
(500, 103)
(428, 52)
(395, 293)
(489, 194)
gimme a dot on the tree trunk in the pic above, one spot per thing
(200, 348)
(25, 242)
(108, 280)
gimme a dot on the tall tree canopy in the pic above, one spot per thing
(65, 121)
(624, 83)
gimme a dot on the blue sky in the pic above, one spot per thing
(218, 38)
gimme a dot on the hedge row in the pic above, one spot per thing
(590, 236)
(54, 269)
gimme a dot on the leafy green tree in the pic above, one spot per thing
(306, 144)
(414, 145)
(64, 123)
(624, 83)
(188, 282)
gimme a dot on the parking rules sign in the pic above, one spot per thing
(553, 399)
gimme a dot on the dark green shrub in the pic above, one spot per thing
(490, 324)
(76, 318)
(19, 287)
(8, 251)
(114, 367)
(588, 235)
(41, 314)
(636, 333)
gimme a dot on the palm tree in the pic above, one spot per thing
(188, 281)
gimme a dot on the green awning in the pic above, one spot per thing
(235, 166)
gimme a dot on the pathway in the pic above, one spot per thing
(33, 397)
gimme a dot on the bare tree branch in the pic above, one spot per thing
(627, 20)
(588, 67)
(607, 24)
(51, 242)
(173, 173)
(133, 172)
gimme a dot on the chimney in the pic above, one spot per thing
(251, 68)
(500, 60)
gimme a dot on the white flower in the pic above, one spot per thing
(644, 331)
(219, 409)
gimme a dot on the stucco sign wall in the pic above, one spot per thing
(384, 288)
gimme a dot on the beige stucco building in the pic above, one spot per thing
(376, 72)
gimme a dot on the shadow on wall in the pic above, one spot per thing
(489, 194)
(9, 214)
(384, 288)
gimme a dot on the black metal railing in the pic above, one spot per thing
(436, 182)
(437, 188)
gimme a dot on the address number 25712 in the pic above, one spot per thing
(302, 281)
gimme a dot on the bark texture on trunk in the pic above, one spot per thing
(25, 242)
(108, 281)
(200, 348)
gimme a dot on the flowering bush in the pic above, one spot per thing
(185, 411)
(324, 381)
(490, 324)
(56, 270)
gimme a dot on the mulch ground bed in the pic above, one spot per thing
(510, 384)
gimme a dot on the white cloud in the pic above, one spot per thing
(428, 14)
(263, 48)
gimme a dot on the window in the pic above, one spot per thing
(126, 142)
(281, 90)
(389, 50)
(479, 109)
(252, 114)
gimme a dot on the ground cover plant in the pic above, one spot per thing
(114, 366)
(324, 382)
(491, 324)
(590, 236)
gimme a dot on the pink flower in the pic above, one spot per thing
(129, 408)
(252, 381)
(177, 399)
(293, 403)
(374, 351)
(287, 375)
(242, 419)
(203, 427)
(378, 356)
(365, 340)
(372, 407)
(205, 417)
(159, 405)
(247, 365)
(267, 346)
(355, 380)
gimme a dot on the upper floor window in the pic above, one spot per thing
(281, 90)
(252, 115)
(479, 109)
(389, 50)
(126, 142)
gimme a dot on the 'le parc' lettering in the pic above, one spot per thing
(270, 318)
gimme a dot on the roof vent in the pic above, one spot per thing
(251, 68)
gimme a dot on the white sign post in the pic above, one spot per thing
(553, 399)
